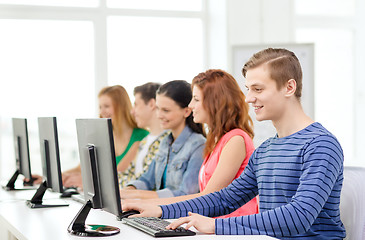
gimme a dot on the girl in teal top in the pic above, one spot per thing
(114, 103)
(137, 135)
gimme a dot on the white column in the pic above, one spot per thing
(359, 85)
(101, 52)
(216, 34)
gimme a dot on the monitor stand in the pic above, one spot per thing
(79, 228)
(10, 186)
(37, 200)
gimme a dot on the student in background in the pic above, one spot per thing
(145, 114)
(298, 173)
(114, 103)
(220, 104)
(174, 171)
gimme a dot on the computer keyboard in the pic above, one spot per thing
(156, 227)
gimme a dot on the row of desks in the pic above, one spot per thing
(24, 223)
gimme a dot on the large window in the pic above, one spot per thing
(179, 5)
(56, 55)
(62, 3)
(142, 49)
(47, 70)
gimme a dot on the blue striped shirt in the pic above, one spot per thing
(298, 179)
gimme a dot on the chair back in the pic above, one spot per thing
(352, 204)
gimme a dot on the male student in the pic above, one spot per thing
(297, 174)
(144, 112)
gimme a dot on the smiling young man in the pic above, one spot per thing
(297, 174)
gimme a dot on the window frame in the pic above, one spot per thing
(98, 16)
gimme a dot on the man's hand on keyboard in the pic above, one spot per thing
(145, 209)
(201, 223)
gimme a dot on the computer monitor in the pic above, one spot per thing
(22, 159)
(50, 156)
(99, 175)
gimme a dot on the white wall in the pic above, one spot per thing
(268, 21)
(360, 82)
(239, 22)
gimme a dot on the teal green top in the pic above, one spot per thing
(137, 135)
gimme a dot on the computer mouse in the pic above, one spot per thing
(128, 213)
(68, 192)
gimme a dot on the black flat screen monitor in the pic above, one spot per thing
(22, 159)
(50, 156)
(99, 175)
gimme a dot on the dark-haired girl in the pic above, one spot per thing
(174, 171)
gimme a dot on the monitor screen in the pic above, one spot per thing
(22, 160)
(52, 178)
(50, 156)
(99, 175)
(21, 146)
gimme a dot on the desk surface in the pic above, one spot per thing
(51, 223)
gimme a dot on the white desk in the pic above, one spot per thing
(51, 223)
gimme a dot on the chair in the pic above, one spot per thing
(352, 205)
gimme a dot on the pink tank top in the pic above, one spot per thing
(210, 163)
